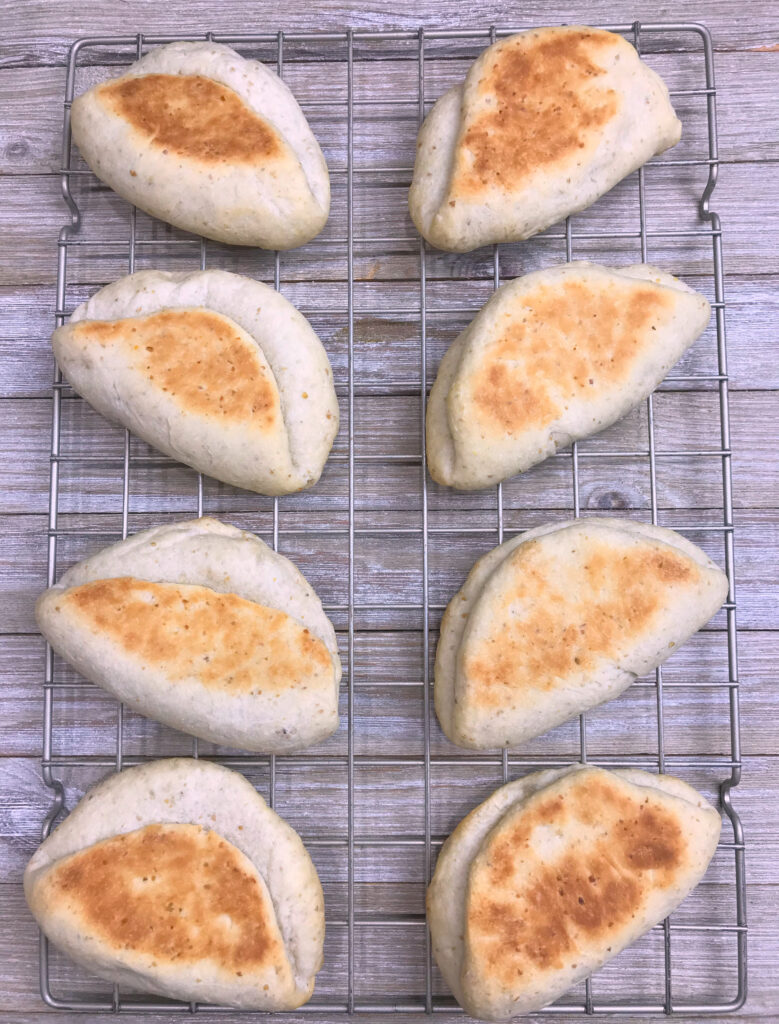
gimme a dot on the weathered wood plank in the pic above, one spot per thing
(387, 430)
(43, 32)
(744, 196)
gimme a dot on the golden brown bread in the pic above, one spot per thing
(540, 102)
(545, 122)
(547, 623)
(175, 877)
(553, 356)
(185, 632)
(127, 892)
(200, 359)
(557, 872)
(204, 628)
(636, 846)
(195, 134)
(216, 370)
(194, 116)
(569, 336)
(562, 618)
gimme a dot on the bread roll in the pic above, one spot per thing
(198, 136)
(562, 618)
(553, 357)
(555, 874)
(205, 628)
(545, 123)
(214, 369)
(175, 877)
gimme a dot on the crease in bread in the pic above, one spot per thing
(214, 369)
(545, 123)
(205, 628)
(562, 618)
(210, 142)
(555, 874)
(175, 877)
(553, 357)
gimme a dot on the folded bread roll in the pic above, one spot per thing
(202, 138)
(205, 628)
(546, 122)
(562, 618)
(175, 877)
(214, 369)
(553, 357)
(555, 874)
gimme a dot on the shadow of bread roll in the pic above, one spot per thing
(555, 874)
(199, 137)
(545, 123)
(211, 368)
(205, 628)
(553, 357)
(175, 877)
(562, 618)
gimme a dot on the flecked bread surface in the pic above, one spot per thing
(555, 874)
(205, 628)
(200, 137)
(212, 368)
(175, 877)
(553, 357)
(545, 123)
(562, 618)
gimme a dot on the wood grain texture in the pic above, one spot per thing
(388, 653)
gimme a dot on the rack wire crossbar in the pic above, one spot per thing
(346, 836)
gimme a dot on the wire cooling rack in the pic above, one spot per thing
(386, 548)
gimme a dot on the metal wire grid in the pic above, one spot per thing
(341, 47)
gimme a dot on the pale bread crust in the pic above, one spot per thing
(462, 453)
(181, 790)
(535, 712)
(279, 206)
(484, 997)
(211, 554)
(238, 452)
(643, 125)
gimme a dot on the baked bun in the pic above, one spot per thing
(545, 123)
(562, 618)
(553, 357)
(213, 369)
(175, 877)
(555, 874)
(205, 628)
(198, 136)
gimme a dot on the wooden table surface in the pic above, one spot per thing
(36, 37)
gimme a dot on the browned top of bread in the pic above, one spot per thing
(201, 359)
(224, 641)
(193, 116)
(572, 867)
(560, 343)
(176, 893)
(541, 104)
(560, 612)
